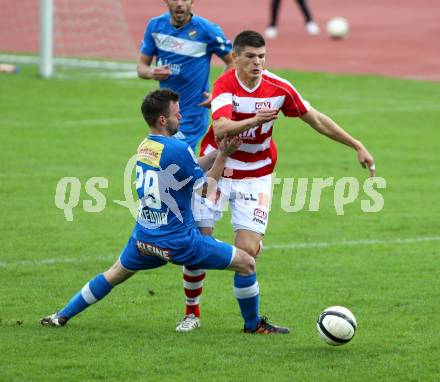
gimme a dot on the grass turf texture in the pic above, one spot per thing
(84, 128)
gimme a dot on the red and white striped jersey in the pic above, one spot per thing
(231, 99)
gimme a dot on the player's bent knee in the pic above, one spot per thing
(251, 265)
(255, 251)
(117, 274)
(243, 263)
(260, 249)
(251, 247)
(206, 231)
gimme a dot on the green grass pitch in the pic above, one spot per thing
(383, 266)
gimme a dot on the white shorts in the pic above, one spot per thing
(249, 200)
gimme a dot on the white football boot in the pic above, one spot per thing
(188, 323)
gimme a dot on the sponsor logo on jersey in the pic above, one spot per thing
(255, 219)
(150, 152)
(147, 249)
(175, 68)
(260, 214)
(250, 133)
(248, 197)
(178, 45)
(262, 105)
(169, 43)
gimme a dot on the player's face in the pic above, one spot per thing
(173, 119)
(180, 11)
(250, 63)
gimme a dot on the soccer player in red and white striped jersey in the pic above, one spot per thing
(257, 107)
(246, 102)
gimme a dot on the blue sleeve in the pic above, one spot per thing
(189, 168)
(148, 46)
(218, 43)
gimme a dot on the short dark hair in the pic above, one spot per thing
(248, 38)
(157, 103)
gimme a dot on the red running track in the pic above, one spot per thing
(397, 38)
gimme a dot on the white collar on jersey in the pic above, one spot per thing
(245, 87)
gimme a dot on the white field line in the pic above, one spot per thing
(351, 243)
(114, 69)
(109, 121)
(427, 77)
(128, 69)
(325, 244)
(71, 62)
(5, 264)
(106, 75)
(384, 103)
(370, 110)
(120, 121)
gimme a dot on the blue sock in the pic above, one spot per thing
(246, 290)
(94, 290)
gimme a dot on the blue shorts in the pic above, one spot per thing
(193, 250)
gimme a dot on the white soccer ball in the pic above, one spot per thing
(336, 325)
(337, 27)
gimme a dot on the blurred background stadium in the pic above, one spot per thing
(392, 37)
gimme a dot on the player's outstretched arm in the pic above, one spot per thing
(225, 127)
(147, 72)
(226, 147)
(326, 126)
(206, 161)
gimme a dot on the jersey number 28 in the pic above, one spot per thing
(150, 183)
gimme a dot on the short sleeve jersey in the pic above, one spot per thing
(167, 171)
(257, 155)
(187, 51)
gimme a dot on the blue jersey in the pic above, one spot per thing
(187, 51)
(166, 173)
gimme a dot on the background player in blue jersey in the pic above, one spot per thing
(167, 173)
(183, 45)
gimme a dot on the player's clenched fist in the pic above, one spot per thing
(160, 73)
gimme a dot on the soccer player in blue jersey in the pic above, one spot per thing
(183, 44)
(167, 173)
